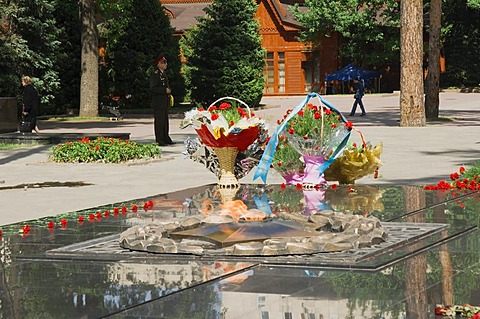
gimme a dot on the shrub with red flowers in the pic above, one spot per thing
(103, 150)
(468, 179)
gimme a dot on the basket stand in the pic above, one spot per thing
(226, 159)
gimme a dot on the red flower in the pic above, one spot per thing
(91, 216)
(224, 106)
(291, 131)
(106, 213)
(115, 211)
(349, 125)
(26, 229)
(476, 316)
(305, 137)
(214, 116)
(298, 186)
(201, 109)
(98, 215)
(334, 125)
(334, 186)
(454, 176)
(51, 224)
(64, 222)
(301, 113)
(317, 115)
(283, 186)
(232, 123)
(134, 208)
(461, 170)
(81, 219)
(212, 108)
(124, 209)
(1, 233)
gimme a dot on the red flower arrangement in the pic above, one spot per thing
(309, 139)
(224, 125)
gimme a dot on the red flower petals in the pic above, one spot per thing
(51, 224)
(81, 219)
(134, 208)
(26, 229)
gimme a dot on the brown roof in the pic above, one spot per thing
(184, 13)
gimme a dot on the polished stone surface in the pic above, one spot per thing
(40, 280)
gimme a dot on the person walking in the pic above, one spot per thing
(359, 93)
(31, 103)
(160, 101)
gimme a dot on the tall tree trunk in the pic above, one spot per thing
(412, 110)
(432, 100)
(89, 78)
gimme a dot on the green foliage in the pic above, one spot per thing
(135, 32)
(224, 54)
(472, 172)
(462, 44)
(31, 38)
(369, 29)
(104, 150)
(69, 58)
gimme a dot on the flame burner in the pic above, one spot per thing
(281, 234)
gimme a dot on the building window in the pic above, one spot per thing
(288, 315)
(274, 73)
(264, 315)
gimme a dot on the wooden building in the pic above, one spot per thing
(291, 67)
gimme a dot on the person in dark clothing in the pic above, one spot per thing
(359, 93)
(31, 103)
(160, 101)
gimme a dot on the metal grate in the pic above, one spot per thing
(401, 236)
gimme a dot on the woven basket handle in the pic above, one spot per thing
(235, 99)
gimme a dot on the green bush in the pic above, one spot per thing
(103, 150)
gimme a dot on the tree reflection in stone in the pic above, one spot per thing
(415, 268)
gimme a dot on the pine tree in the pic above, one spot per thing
(224, 53)
(137, 31)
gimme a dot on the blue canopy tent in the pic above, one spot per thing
(351, 72)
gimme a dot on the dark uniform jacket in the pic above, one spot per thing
(158, 89)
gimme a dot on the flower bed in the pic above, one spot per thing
(103, 150)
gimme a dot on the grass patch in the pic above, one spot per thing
(75, 118)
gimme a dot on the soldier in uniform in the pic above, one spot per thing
(160, 101)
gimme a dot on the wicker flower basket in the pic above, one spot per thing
(226, 159)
